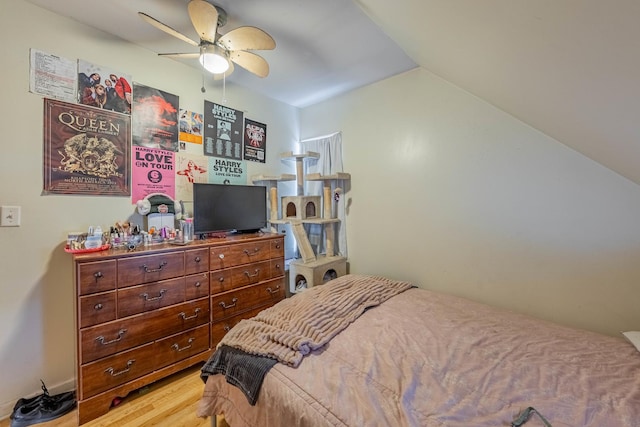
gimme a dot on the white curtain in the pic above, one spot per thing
(330, 162)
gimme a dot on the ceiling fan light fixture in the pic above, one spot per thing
(214, 60)
(219, 53)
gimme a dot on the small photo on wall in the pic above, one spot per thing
(104, 88)
(191, 128)
(190, 168)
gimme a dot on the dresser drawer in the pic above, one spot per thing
(96, 277)
(97, 308)
(250, 273)
(219, 257)
(220, 281)
(277, 268)
(180, 346)
(103, 340)
(196, 261)
(240, 300)
(246, 253)
(138, 299)
(221, 327)
(112, 371)
(276, 248)
(149, 268)
(197, 286)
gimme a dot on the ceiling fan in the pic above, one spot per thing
(218, 52)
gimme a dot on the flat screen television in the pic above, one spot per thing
(228, 208)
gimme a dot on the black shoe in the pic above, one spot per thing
(32, 400)
(41, 408)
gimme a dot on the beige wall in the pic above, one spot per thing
(458, 196)
(36, 300)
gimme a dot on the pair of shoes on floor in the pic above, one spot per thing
(41, 408)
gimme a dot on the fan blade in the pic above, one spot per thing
(251, 62)
(204, 18)
(181, 55)
(167, 29)
(247, 38)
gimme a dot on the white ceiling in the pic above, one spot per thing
(323, 47)
(570, 68)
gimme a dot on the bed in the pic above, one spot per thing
(422, 358)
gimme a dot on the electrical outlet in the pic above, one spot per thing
(9, 216)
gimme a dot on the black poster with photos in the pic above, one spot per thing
(223, 131)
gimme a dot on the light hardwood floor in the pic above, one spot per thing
(170, 402)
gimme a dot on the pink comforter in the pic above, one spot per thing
(429, 359)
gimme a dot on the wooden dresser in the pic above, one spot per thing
(148, 313)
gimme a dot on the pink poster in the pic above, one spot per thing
(152, 172)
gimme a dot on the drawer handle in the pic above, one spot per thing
(185, 317)
(113, 372)
(255, 251)
(176, 347)
(225, 306)
(146, 295)
(278, 246)
(221, 279)
(197, 284)
(98, 275)
(274, 291)
(121, 333)
(197, 259)
(154, 270)
(257, 272)
(226, 328)
(221, 256)
(97, 306)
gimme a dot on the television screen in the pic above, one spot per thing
(228, 208)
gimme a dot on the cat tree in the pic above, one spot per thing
(311, 269)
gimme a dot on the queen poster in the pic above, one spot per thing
(86, 150)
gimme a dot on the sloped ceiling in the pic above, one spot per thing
(569, 68)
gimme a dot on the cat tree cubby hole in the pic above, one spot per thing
(301, 207)
(308, 274)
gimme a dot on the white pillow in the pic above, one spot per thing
(633, 337)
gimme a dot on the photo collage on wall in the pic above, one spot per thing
(108, 135)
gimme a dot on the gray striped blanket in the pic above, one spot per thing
(307, 321)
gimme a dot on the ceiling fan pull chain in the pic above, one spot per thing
(224, 89)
